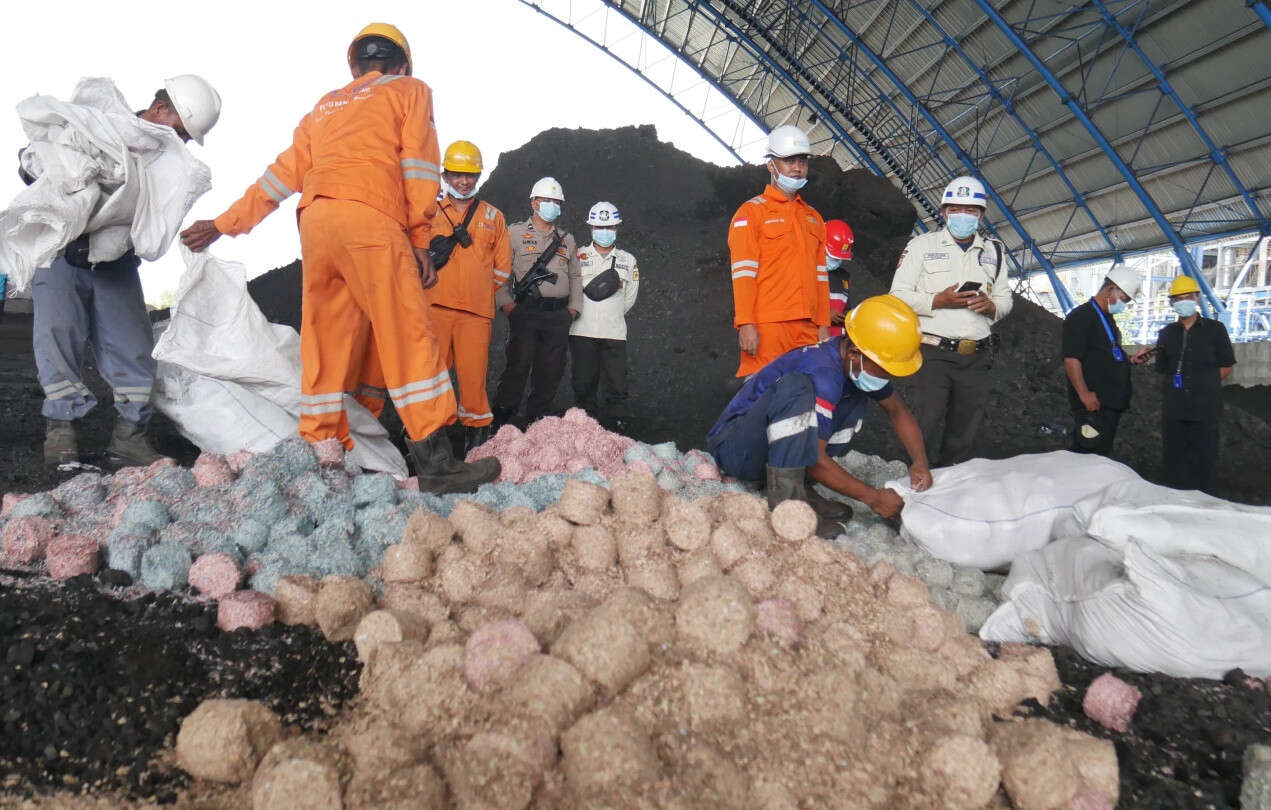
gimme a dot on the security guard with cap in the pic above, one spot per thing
(955, 280)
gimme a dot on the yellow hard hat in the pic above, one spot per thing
(1183, 285)
(885, 329)
(390, 32)
(462, 156)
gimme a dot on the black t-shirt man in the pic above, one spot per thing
(1085, 338)
(1197, 354)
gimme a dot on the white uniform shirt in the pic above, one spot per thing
(933, 262)
(607, 318)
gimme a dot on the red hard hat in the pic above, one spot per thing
(839, 239)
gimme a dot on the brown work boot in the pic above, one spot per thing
(129, 446)
(60, 446)
(827, 507)
(440, 473)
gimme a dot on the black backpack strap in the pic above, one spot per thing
(472, 209)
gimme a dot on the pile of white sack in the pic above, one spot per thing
(1127, 573)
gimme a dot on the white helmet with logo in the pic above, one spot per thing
(603, 215)
(197, 103)
(549, 189)
(786, 141)
(965, 191)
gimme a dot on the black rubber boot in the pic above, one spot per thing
(826, 507)
(502, 416)
(129, 446)
(60, 446)
(785, 484)
(441, 473)
(474, 437)
(789, 484)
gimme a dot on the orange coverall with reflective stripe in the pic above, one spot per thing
(365, 161)
(780, 283)
(463, 301)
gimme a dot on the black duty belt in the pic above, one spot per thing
(963, 346)
(549, 304)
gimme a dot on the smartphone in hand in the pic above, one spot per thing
(969, 286)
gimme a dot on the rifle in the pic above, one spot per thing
(526, 288)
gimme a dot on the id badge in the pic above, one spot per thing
(1178, 381)
(1117, 354)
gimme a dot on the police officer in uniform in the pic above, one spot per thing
(538, 325)
(955, 280)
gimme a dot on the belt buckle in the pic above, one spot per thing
(966, 346)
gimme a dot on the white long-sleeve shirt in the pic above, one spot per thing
(933, 262)
(608, 318)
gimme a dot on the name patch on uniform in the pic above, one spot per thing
(772, 221)
(740, 223)
(988, 258)
(935, 257)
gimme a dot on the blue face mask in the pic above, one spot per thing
(790, 184)
(865, 381)
(832, 262)
(1185, 308)
(454, 192)
(962, 225)
(548, 210)
(604, 237)
(1116, 307)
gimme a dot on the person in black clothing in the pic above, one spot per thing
(1097, 366)
(1193, 357)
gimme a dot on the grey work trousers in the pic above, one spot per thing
(951, 388)
(76, 307)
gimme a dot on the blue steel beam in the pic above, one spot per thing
(1065, 299)
(824, 115)
(1262, 10)
(1009, 107)
(1215, 154)
(1167, 230)
(666, 94)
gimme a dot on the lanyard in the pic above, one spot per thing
(1178, 372)
(1117, 354)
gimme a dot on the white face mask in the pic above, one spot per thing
(865, 381)
(604, 237)
(787, 184)
(454, 192)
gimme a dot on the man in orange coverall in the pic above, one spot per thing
(365, 163)
(781, 290)
(462, 303)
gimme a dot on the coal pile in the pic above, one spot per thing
(683, 350)
(94, 682)
(1183, 748)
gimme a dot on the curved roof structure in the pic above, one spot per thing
(1101, 128)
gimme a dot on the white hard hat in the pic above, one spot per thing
(197, 104)
(1128, 280)
(786, 141)
(603, 215)
(965, 191)
(549, 189)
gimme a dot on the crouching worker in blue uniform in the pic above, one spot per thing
(804, 407)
